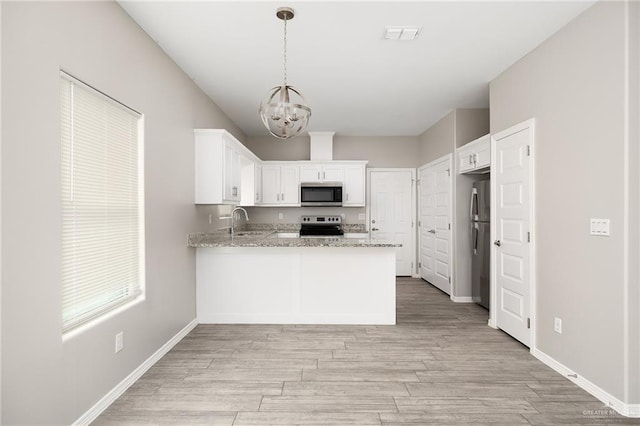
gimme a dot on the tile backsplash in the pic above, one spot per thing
(292, 214)
(271, 215)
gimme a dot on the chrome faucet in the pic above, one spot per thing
(233, 218)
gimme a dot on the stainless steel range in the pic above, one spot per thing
(321, 226)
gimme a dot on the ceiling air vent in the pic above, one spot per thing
(401, 33)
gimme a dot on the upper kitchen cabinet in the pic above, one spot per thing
(354, 185)
(221, 162)
(280, 184)
(475, 157)
(250, 183)
(318, 172)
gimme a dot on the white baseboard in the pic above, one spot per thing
(462, 299)
(628, 410)
(121, 387)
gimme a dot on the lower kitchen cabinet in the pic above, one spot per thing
(292, 285)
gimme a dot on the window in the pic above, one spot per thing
(102, 203)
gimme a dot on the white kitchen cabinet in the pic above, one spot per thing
(232, 172)
(280, 184)
(251, 186)
(475, 157)
(333, 173)
(220, 162)
(310, 173)
(295, 285)
(353, 193)
(290, 184)
(318, 172)
(258, 184)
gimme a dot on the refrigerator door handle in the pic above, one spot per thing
(476, 231)
(473, 209)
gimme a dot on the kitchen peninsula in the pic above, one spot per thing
(263, 277)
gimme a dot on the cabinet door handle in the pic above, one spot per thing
(324, 175)
(431, 231)
(497, 242)
(375, 229)
(278, 197)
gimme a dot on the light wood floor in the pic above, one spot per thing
(440, 364)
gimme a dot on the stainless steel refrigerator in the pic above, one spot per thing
(480, 234)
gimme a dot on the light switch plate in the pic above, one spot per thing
(119, 341)
(600, 227)
(557, 325)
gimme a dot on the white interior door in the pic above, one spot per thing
(511, 209)
(391, 216)
(435, 223)
(426, 222)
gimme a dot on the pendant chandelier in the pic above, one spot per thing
(284, 112)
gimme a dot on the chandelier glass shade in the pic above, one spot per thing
(284, 112)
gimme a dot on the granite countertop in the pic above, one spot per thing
(273, 238)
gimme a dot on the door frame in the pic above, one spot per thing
(527, 124)
(449, 158)
(414, 261)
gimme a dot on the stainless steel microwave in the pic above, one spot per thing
(326, 194)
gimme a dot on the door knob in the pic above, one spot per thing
(374, 229)
(497, 242)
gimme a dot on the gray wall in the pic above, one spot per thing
(46, 380)
(381, 151)
(438, 140)
(471, 123)
(633, 159)
(574, 86)
(455, 129)
(270, 148)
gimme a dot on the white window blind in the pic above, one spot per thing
(102, 203)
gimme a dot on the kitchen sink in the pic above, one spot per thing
(250, 233)
(285, 235)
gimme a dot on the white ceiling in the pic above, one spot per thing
(356, 82)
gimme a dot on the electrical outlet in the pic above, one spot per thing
(599, 227)
(119, 341)
(557, 325)
(361, 216)
(280, 216)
